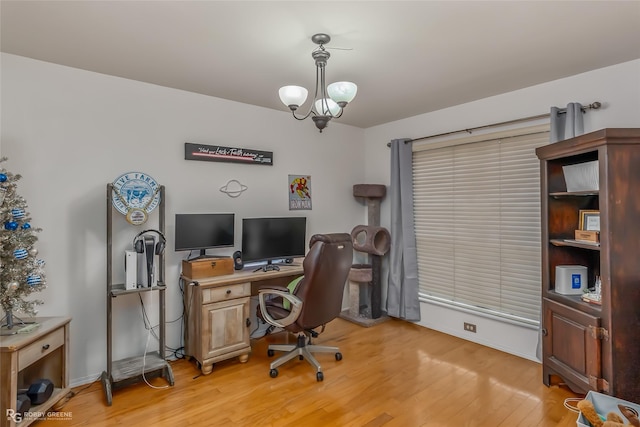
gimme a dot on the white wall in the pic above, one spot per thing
(69, 132)
(617, 87)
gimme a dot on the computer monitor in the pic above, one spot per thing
(269, 239)
(204, 231)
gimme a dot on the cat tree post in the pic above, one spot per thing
(365, 287)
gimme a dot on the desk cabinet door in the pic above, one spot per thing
(225, 327)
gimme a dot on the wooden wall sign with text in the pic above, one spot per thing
(218, 153)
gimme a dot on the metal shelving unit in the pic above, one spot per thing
(130, 370)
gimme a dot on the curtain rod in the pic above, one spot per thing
(593, 106)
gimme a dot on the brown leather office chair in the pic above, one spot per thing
(314, 302)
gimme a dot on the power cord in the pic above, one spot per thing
(186, 307)
(178, 353)
(73, 393)
(144, 362)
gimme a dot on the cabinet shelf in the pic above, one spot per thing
(575, 244)
(56, 396)
(560, 194)
(575, 301)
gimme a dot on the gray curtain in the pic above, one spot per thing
(402, 290)
(566, 122)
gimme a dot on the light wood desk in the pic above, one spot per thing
(217, 314)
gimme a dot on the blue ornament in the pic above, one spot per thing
(18, 213)
(20, 253)
(34, 280)
(3, 177)
(11, 225)
(40, 262)
(26, 226)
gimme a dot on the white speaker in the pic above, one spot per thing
(571, 279)
(130, 269)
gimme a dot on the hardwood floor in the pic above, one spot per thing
(393, 374)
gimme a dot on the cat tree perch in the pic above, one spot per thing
(365, 293)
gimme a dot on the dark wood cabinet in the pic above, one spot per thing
(591, 346)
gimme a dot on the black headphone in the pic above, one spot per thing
(138, 243)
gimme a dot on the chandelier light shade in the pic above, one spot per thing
(327, 107)
(293, 96)
(328, 101)
(342, 92)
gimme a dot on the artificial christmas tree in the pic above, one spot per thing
(21, 272)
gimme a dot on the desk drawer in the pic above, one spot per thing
(39, 349)
(222, 293)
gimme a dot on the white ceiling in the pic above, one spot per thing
(407, 58)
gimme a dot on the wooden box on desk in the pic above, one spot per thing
(207, 267)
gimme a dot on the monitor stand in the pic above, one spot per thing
(203, 255)
(267, 267)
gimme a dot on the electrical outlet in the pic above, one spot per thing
(469, 327)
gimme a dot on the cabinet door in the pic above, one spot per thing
(224, 327)
(570, 347)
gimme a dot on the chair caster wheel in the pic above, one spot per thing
(273, 373)
(319, 376)
(338, 356)
(270, 353)
(301, 357)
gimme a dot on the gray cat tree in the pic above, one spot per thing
(365, 287)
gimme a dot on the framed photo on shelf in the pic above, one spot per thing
(589, 220)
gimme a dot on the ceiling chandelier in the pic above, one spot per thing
(328, 101)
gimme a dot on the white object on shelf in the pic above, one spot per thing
(581, 176)
(131, 270)
(571, 279)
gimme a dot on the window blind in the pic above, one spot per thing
(477, 221)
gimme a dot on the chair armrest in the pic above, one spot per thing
(267, 288)
(296, 307)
